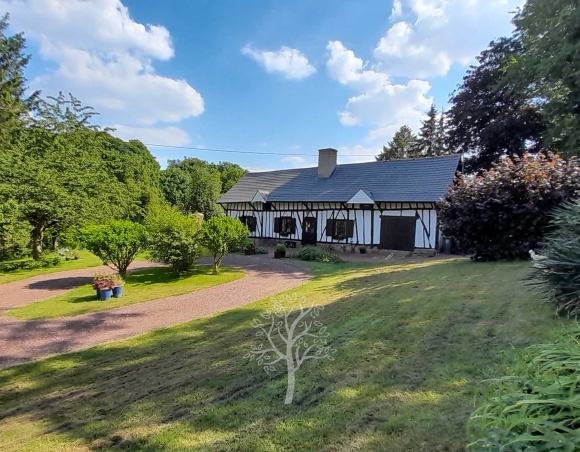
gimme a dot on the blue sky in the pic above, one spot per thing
(257, 75)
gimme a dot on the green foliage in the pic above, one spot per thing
(230, 173)
(222, 235)
(432, 137)
(250, 246)
(538, 408)
(116, 243)
(260, 250)
(505, 212)
(402, 146)
(29, 264)
(313, 254)
(14, 233)
(558, 275)
(491, 115)
(280, 248)
(174, 237)
(550, 66)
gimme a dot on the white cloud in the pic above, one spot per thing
(290, 62)
(167, 136)
(296, 160)
(379, 103)
(440, 33)
(105, 59)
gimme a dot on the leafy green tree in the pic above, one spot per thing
(550, 66)
(116, 243)
(174, 237)
(14, 102)
(56, 174)
(222, 235)
(402, 146)
(506, 212)
(14, 233)
(230, 173)
(490, 114)
(427, 144)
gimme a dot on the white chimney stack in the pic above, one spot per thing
(326, 162)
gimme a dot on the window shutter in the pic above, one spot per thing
(329, 228)
(349, 228)
(293, 226)
(277, 224)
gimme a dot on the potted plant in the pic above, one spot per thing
(103, 284)
(77, 256)
(118, 284)
(280, 252)
(250, 249)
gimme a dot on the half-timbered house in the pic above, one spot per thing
(390, 205)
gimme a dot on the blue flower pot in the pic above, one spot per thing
(98, 294)
(117, 292)
(106, 294)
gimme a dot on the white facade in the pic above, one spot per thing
(367, 221)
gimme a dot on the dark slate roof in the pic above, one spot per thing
(416, 180)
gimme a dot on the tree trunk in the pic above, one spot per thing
(54, 242)
(291, 378)
(37, 235)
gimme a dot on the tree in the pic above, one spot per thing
(505, 212)
(402, 146)
(550, 65)
(14, 103)
(222, 235)
(491, 115)
(292, 339)
(56, 174)
(427, 144)
(14, 233)
(174, 237)
(230, 173)
(116, 243)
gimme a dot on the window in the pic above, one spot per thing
(250, 222)
(366, 206)
(339, 229)
(285, 225)
(267, 206)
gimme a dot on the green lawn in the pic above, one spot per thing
(413, 342)
(87, 260)
(140, 286)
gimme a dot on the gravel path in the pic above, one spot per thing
(22, 341)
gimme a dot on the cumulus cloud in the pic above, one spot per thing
(105, 59)
(166, 136)
(296, 160)
(437, 34)
(292, 63)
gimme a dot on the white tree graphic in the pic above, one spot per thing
(293, 336)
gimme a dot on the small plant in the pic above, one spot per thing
(77, 255)
(250, 246)
(280, 247)
(280, 252)
(313, 254)
(117, 281)
(260, 250)
(103, 281)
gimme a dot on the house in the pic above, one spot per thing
(390, 205)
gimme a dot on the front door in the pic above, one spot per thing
(398, 233)
(309, 231)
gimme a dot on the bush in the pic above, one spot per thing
(250, 246)
(44, 262)
(505, 212)
(260, 250)
(313, 254)
(538, 408)
(174, 237)
(14, 232)
(280, 248)
(558, 275)
(116, 243)
(222, 235)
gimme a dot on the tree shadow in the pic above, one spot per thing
(65, 283)
(409, 357)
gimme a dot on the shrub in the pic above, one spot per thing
(260, 250)
(30, 264)
(280, 248)
(558, 271)
(311, 253)
(104, 281)
(174, 237)
(505, 212)
(116, 243)
(538, 408)
(250, 246)
(222, 235)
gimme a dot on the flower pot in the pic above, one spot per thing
(98, 294)
(117, 292)
(249, 252)
(279, 254)
(106, 294)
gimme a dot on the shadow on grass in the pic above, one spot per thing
(411, 347)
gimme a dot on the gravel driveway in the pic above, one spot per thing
(22, 341)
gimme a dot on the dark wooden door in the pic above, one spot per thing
(309, 231)
(398, 233)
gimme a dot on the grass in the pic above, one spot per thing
(413, 342)
(140, 286)
(87, 260)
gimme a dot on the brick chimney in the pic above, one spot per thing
(326, 162)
